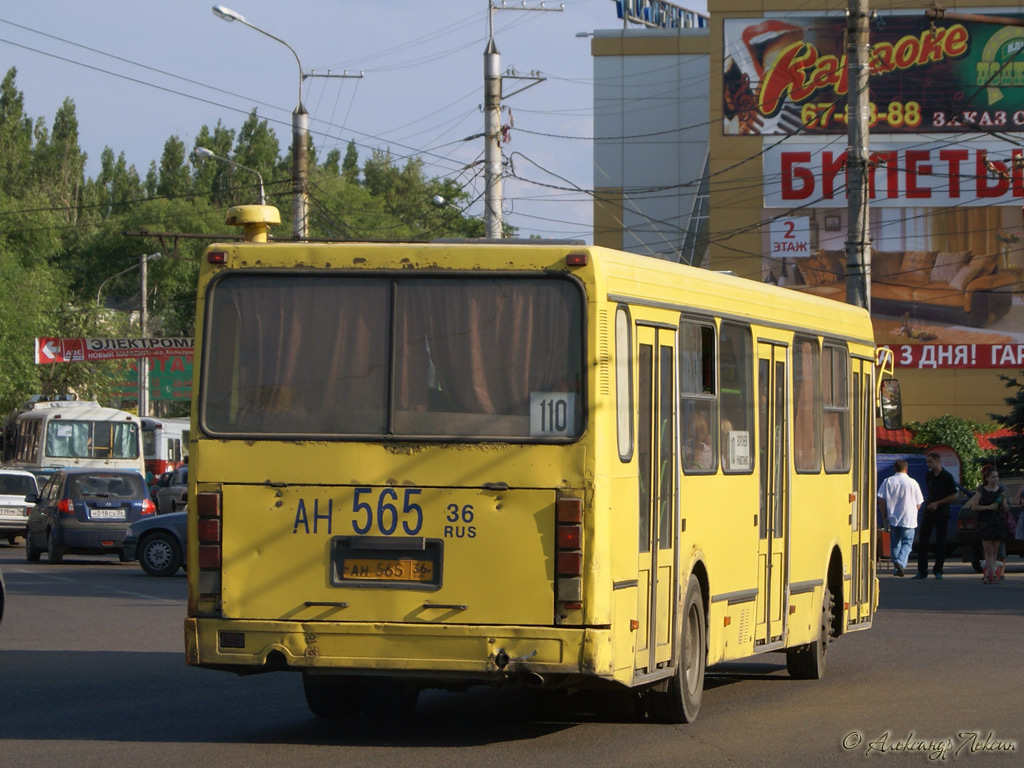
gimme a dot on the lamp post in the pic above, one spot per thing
(143, 363)
(300, 134)
(204, 153)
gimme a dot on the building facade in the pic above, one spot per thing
(725, 147)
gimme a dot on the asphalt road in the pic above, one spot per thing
(92, 673)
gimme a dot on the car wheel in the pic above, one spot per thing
(53, 552)
(160, 554)
(32, 552)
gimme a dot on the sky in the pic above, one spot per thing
(140, 71)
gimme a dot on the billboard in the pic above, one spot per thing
(789, 75)
(901, 173)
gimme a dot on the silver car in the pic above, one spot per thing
(174, 495)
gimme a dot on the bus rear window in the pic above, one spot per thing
(350, 356)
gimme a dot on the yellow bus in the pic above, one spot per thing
(434, 465)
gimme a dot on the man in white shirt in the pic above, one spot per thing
(900, 497)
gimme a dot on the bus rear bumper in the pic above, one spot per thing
(482, 653)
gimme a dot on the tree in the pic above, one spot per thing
(350, 165)
(959, 434)
(331, 164)
(213, 177)
(175, 176)
(1010, 449)
(257, 148)
(59, 163)
(15, 138)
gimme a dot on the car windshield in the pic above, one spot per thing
(107, 486)
(16, 485)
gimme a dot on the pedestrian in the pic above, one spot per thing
(900, 496)
(942, 492)
(989, 501)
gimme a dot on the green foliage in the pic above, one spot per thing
(63, 236)
(959, 434)
(1010, 450)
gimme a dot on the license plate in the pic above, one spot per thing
(106, 514)
(11, 512)
(373, 569)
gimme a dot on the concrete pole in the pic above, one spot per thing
(143, 362)
(300, 170)
(492, 139)
(858, 243)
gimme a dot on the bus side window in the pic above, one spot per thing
(806, 406)
(698, 394)
(737, 401)
(835, 374)
(624, 382)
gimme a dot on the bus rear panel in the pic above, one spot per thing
(405, 470)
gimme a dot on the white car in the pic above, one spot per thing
(15, 485)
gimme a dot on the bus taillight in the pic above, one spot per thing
(569, 557)
(209, 537)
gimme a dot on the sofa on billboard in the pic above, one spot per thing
(958, 287)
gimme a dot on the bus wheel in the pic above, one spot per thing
(807, 662)
(331, 697)
(681, 702)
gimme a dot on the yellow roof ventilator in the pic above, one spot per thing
(256, 220)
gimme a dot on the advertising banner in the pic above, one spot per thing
(959, 356)
(901, 174)
(789, 75)
(58, 350)
(170, 378)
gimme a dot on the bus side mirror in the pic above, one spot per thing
(891, 405)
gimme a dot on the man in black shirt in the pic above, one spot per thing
(934, 514)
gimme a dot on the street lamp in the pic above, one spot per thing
(204, 153)
(300, 134)
(143, 363)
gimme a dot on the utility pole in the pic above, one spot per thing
(143, 362)
(858, 242)
(492, 120)
(300, 158)
(300, 131)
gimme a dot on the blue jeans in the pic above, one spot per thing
(900, 542)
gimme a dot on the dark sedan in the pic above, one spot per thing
(86, 511)
(158, 542)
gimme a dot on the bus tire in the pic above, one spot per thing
(54, 553)
(331, 697)
(807, 662)
(680, 703)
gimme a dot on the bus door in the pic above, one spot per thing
(657, 511)
(773, 517)
(862, 515)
